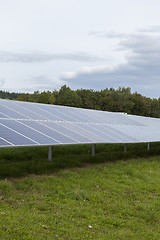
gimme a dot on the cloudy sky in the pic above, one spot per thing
(93, 44)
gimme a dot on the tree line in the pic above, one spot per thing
(8, 95)
(115, 100)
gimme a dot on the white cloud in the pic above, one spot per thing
(47, 38)
(151, 29)
(108, 34)
(2, 82)
(88, 71)
(31, 57)
(141, 71)
(44, 83)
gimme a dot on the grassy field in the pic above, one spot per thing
(115, 199)
(20, 162)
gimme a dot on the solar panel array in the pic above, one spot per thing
(30, 124)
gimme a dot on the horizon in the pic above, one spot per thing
(78, 89)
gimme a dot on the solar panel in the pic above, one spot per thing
(33, 124)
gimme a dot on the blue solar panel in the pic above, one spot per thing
(3, 143)
(43, 131)
(62, 128)
(31, 133)
(3, 116)
(28, 124)
(14, 138)
(11, 113)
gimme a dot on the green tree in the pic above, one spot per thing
(44, 97)
(155, 108)
(125, 97)
(68, 97)
(89, 98)
(141, 105)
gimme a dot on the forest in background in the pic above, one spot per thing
(114, 100)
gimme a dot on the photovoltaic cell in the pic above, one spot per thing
(13, 137)
(3, 116)
(37, 137)
(4, 143)
(10, 113)
(28, 124)
(51, 133)
(62, 127)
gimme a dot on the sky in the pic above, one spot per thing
(91, 44)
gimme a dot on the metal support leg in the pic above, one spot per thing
(93, 149)
(125, 147)
(50, 149)
(148, 146)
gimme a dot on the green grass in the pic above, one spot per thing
(117, 200)
(115, 196)
(20, 162)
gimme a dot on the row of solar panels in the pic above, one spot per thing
(29, 124)
(34, 111)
